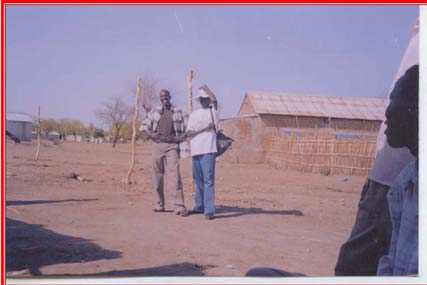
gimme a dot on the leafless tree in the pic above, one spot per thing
(115, 114)
(149, 93)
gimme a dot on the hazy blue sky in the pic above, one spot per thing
(69, 59)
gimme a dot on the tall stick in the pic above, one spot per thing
(135, 119)
(38, 135)
(190, 95)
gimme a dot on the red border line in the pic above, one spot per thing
(218, 2)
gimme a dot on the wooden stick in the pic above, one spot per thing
(38, 135)
(190, 88)
(135, 119)
(190, 95)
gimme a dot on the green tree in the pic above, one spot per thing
(49, 125)
(71, 127)
(126, 131)
(35, 125)
(90, 130)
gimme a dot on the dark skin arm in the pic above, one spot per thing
(212, 96)
(151, 135)
(214, 101)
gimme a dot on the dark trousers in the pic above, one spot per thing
(371, 234)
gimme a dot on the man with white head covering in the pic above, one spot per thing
(202, 129)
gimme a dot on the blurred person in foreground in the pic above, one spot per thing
(370, 237)
(402, 131)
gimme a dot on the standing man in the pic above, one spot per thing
(164, 124)
(201, 128)
(402, 132)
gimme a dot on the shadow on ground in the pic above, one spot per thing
(234, 211)
(272, 272)
(179, 269)
(35, 202)
(31, 246)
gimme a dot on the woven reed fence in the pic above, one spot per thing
(320, 155)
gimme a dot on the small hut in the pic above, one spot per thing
(19, 125)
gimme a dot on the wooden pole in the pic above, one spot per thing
(190, 88)
(135, 120)
(190, 95)
(38, 135)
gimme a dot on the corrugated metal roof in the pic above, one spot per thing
(18, 117)
(317, 106)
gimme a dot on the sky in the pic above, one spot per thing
(70, 59)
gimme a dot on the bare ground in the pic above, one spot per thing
(265, 217)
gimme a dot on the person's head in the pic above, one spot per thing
(203, 97)
(402, 112)
(165, 98)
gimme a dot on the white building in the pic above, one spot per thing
(20, 125)
(53, 136)
(74, 138)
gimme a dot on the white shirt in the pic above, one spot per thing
(390, 161)
(204, 142)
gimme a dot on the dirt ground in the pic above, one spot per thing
(265, 217)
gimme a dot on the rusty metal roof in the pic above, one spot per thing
(317, 105)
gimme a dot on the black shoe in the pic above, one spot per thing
(209, 216)
(182, 213)
(194, 212)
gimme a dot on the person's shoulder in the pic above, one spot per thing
(409, 170)
(157, 109)
(408, 174)
(176, 109)
(197, 112)
(151, 114)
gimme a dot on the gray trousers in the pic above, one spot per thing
(165, 157)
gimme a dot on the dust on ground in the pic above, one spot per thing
(58, 226)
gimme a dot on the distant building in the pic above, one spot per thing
(96, 139)
(264, 114)
(53, 136)
(20, 125)
(75, 138)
